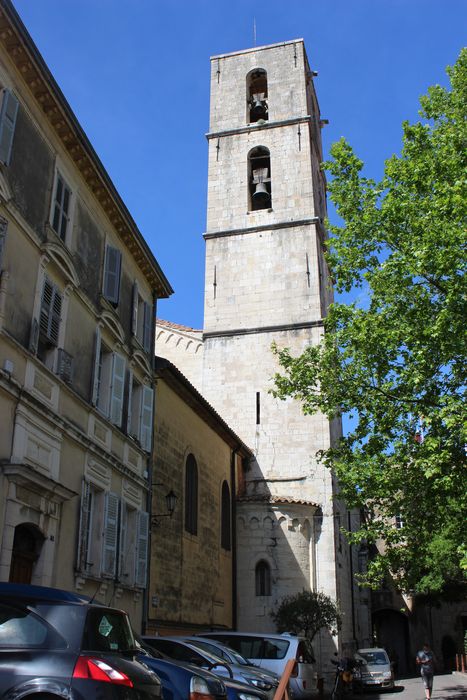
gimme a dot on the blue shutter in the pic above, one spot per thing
(8, 115)
(96, 368)
(117, 389)
(112, 269)
(110, 535)
(147, 329)
(147, 400)
(142, 537)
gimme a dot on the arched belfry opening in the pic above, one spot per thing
(257, 95)
(259, 179)
(27, 545)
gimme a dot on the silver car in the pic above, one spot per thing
(373, 669)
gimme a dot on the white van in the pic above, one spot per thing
(272, 651)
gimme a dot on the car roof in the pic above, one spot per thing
(370, 649)
(263, 635)
(26, 591)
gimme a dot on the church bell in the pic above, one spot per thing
(258, 106)
(261, 195)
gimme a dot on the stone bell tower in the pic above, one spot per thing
(267, 282)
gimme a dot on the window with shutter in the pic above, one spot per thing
(51, 306)
(142, 548)
(3, 231)
(147, 329)
(110, 535)
(84, 527)
(117, 389)
(61, 207)
(96, 368)
(147, 397)
(112, 270)
(127, 544)
(8, 114)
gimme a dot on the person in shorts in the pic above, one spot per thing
(425, 660)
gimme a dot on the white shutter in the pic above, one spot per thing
(129, 402)
(122, 544)
(8, 115)
(117, 389)
(51, 307)
(112, 268)
(147, 395)
(3, 232)
(110, 534)
(142, 535)
(96, 368)
(83, 531)
(134, 311)
(147, 328)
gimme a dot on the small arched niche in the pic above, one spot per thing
(257, 95)
(259, 179)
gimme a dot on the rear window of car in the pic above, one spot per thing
(20, 628)
(257, 647)
(305, 653)
(107, 630)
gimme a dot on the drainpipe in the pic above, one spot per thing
(233, 495)
(145, 606)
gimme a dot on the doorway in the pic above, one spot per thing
(27, 545)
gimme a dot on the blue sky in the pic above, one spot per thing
(136, 74)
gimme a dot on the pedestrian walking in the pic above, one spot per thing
(425, 659)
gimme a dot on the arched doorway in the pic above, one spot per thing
(391, 630)
(27, 545)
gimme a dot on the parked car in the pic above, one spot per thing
(373, 669)
(272, 651)
(62, 646)
(179, 680)
(182, 680)
(261, 678)
(181, 650)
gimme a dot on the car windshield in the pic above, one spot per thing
(221, 651)
(107, 630)
(374, 657)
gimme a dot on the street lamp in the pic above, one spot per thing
(170, 501)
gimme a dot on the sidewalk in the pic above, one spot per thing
(452, 686)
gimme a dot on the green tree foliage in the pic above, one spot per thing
(306, 613)
(395, 359)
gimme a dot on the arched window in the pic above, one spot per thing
(225, 517)
(257, 95)
(191, 495)
(263, 578)
(259, 179)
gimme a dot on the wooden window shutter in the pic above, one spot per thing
(83, 531)
(51, 307)
(191, 495)
(147, 329)
(142, 536)
(8, 114)
(117, 389)
(129, 401)
(96, 368)
(134, 309)
(110, 535)
(147, 398)
(112, 269)
(122, 543)
(3, 232)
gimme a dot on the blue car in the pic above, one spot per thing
(181, 680)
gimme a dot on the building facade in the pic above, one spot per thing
(78, 287)
(198, 458)
(266, 283)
